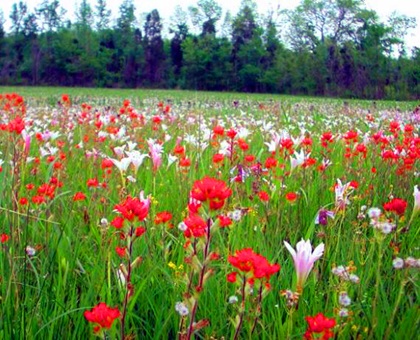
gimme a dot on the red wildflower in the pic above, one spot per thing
(16, 125)
(92, 182)
(140, 231)
(270, 163)
(286, 143)
(218, 130)
(394, 126)
(361, 148)
(212, 190)
(179, 150)
(224, 221)
(194, 206)
(218, 158)
(309, 162)
(291, 197)
(118, 222)
(184, 162)
(58, 165)
(121, 251)
(156, 120)
(214, 256)
(231, 133)
(65, 98)
(102, 315)
(4, 238)
(196, 226)
(133, 207)
(307, 141)
(249, 158)
(242, 144)
(231, 277)
(354, 184)
(396, 205)
(263, 196)
(248, 261)
(351, 136)
(327, 137)
(163, 217)
(47, 190)
(106, 163)
(319, 324)
(38, 199)
(23, 201)
(408, 129)
(79, 196)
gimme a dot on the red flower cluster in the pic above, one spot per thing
(163, 217)
(4, 238)
(102, 315)
(263, 195)
(16, 125)
(46, 190)
(291, 197)
(66, 99)
(133, 208)
(79, 196)
(224, 221)
(396, 205)
(212, 190)
(196, 226)
(319, 324)
(249, 262)
(12, 103)
(15, 106)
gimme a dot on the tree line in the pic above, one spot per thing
(323, 48)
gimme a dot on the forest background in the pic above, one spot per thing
(335, 48)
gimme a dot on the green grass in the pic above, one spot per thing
(75, 266)
(51, 95)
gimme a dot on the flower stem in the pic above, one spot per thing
(394, 312)
(378, 280)
(241, 314)
(201, 279)
(258, 311)
(191, 326)
(128, 283)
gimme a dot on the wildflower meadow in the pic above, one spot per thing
(177, 215)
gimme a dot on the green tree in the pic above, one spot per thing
(153, 48)
(269, 79)
(206, 63)
(103, 15)
(179, 29)
(248, 49)
(205, 15)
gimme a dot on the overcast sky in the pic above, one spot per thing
(166, 8)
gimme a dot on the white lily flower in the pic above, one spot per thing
(416, 195)
(123, 164)
(304, 259)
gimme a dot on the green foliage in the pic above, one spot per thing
(75, 266)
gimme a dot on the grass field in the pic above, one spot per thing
(132, 214)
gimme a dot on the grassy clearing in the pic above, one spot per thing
(59, 257)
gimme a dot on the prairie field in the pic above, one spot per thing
(153, 214)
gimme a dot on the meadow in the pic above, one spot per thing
(152, 214)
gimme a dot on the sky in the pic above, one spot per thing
(166, 8)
